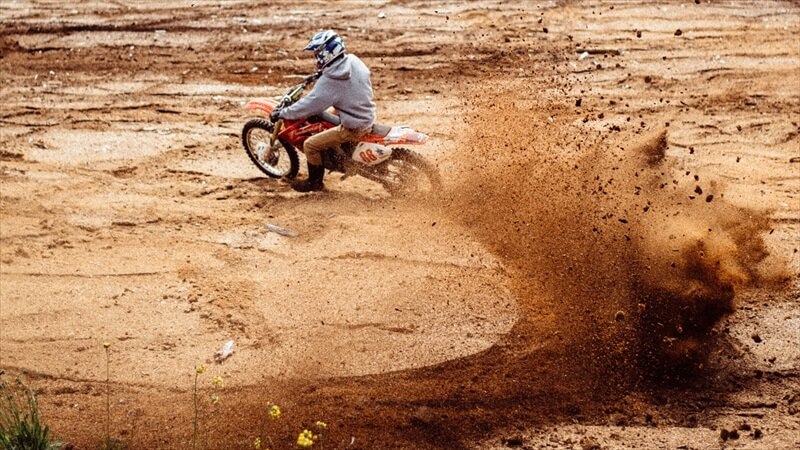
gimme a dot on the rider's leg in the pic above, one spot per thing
(316, 144)
(313, 148)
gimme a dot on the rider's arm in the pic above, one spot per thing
(319, 99)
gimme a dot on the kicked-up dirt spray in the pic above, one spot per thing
(631, 259)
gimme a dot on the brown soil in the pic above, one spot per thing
(613, 261)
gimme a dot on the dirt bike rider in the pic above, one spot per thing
(344, 84)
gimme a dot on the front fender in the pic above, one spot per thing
(261, 104)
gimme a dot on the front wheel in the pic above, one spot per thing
(278, 160)
(407, 172)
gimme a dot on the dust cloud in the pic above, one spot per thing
(628, 257)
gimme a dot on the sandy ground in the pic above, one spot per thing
(482, 317)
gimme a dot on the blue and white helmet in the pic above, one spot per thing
(327, 46)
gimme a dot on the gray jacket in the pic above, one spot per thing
(346, 86)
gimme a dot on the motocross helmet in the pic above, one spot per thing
(327, 47)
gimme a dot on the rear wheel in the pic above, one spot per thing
(407, 172)
(278, 160)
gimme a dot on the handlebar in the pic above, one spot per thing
(294, 93)
(312, 77)
(290, 97)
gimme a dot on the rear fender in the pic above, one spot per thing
(398, 135)
(261, 104)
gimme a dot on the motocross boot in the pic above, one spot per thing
(314, 180)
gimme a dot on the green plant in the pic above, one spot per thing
(321, 427)
(113, 444)
(21, 427)
(109, 443)
(273, 413)
(217, 384)
(307, 438)
(199, 370)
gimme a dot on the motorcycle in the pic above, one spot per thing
(273, 147)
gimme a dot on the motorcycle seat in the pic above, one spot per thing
(381, 130)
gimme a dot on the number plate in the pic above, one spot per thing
(370, 153)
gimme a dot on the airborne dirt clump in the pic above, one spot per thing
(613, 261)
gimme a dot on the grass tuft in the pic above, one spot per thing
(21, 427)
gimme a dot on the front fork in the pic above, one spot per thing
(270, 156)
(276, 130)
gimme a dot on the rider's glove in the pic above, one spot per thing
(275, 115)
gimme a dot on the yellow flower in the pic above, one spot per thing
(305, 439)
(106, 344)
(274, 412)
(321, 425)
(257, 443)
(217, 382)
(214, 399)
(201, 369)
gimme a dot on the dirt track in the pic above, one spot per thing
(478, 319)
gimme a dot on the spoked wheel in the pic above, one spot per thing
(278, 160)
(407, 172)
